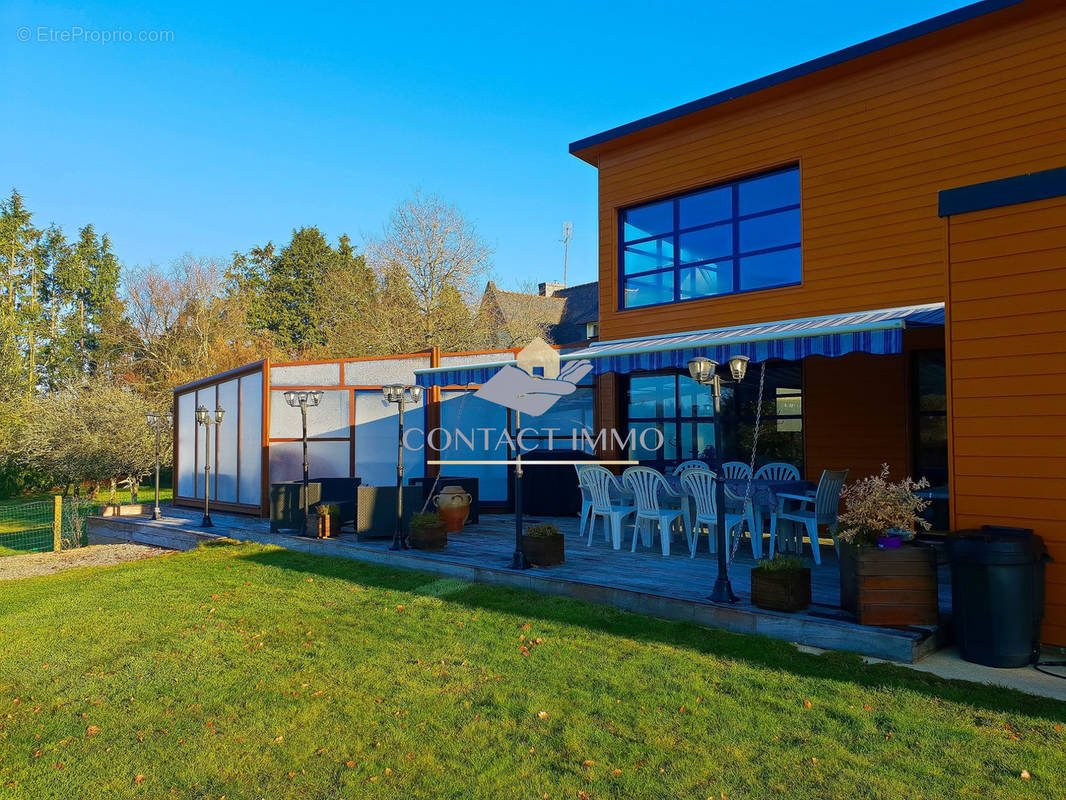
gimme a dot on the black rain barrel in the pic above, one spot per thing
(997, 594)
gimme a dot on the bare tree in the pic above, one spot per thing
(431, 260)
(181, 324)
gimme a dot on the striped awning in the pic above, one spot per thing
(878, 332)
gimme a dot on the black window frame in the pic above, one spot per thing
(732, 419)
(677, 231)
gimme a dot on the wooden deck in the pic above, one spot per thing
(674, 587)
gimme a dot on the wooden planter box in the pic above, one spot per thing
(781, 590)
(893, 588)
(544, 551)
(428, 537)
(329, 526)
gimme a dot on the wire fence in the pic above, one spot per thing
(45, 525)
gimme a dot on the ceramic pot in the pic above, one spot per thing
(453, 507)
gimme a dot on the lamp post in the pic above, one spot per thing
(304, 400)
(518, 561)
(401, 395)
(704, 372)
(203, 417)
(158, 422)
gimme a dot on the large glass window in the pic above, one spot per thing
(684, 411)
(735, 237)
(930, 417)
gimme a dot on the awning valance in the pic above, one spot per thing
(878, 332)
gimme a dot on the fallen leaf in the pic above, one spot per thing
(138, 779)
(542, 714)
(92, 730)
(1025, 775)
(279, 739)
(351, 764)
(806, 703)
(588, 763)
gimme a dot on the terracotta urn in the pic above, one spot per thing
(453, 507)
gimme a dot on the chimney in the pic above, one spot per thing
(550, 288)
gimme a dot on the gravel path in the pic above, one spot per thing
(33, 564)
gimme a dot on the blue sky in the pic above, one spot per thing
(260, 117)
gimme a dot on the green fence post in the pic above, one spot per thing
(57, 524)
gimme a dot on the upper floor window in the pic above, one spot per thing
(734, 237)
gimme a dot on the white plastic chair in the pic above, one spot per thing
(775, 471)
(608, 503)
(586, 499)
(736, 470)
(646, 484)
(700, 487)
(695, 464)
(816, 510)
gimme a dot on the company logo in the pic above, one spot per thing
(532, 385)
(535, 382)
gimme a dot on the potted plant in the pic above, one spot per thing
(782, 583)
(328, 521)
(543, 545)
(427, 532)
(885, 577)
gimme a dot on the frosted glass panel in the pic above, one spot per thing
(383, 371)
(376, 432)
(251, 437)
(461, 411)
(307, 375)
(225, 472)
(329, 418)
(186, 444)
(325, 459)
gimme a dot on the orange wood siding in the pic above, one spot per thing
(1007, 376)
(857, 410)
(855, 414)
(876, 139)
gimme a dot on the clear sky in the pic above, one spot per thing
(260, 117)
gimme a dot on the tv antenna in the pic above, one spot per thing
(568, 234)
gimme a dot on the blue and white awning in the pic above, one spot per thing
(878, 332)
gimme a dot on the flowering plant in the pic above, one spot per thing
(875, 507)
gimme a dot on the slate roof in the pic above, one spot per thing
(566, 313)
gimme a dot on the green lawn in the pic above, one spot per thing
(145, 496)
(251, 672)
(26, 521)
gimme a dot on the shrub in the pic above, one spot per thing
(544, 529)
(780, 563)
(425, 520)
(875, 507)
(328, 509)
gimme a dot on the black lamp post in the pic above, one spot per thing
(158, 423)
(203, 417)
(401, 395)
(518, 561)
(303, 401)
(704, 372)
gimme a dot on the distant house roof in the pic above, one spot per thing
(565, 313)
(583, 147)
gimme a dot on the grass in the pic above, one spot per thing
(145, 496)
(251, 672)
(26, 521)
